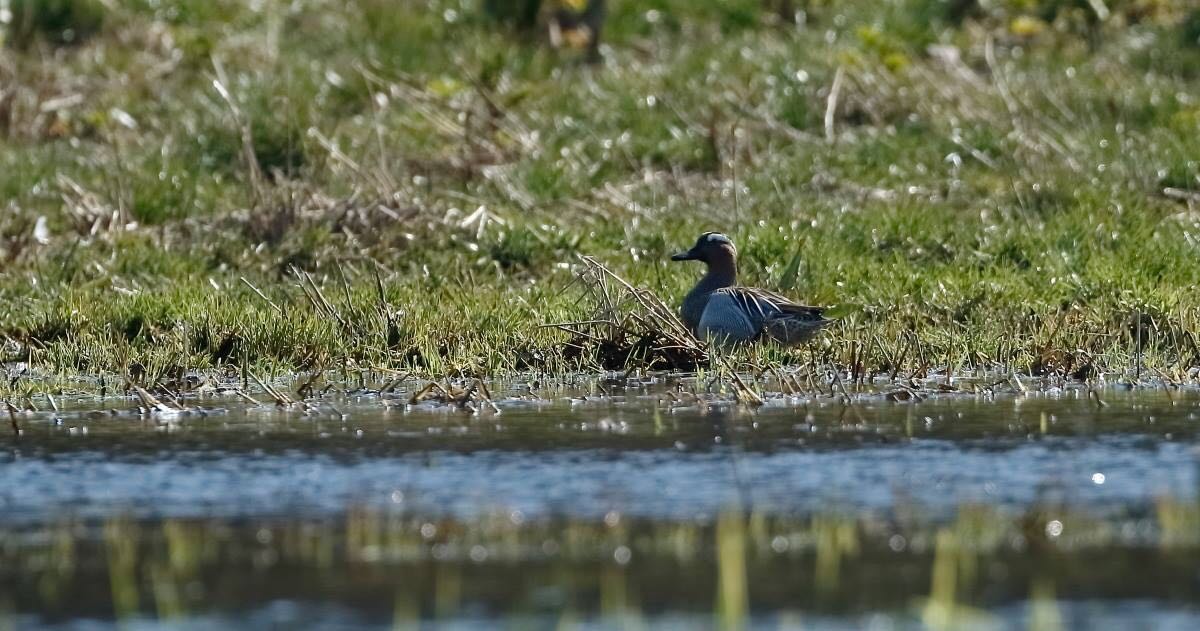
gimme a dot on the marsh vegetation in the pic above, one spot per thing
(317, 185)
(359, 313)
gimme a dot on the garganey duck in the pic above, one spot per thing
(718, 309)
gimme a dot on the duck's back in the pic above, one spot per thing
(743, 314)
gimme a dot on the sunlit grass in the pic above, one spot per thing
(1018, 197)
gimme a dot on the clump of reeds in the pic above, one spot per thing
(628, 326)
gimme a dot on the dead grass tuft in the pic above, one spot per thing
(629, 327)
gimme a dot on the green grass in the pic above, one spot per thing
(1000, 206)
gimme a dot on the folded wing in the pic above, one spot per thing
(777, 317)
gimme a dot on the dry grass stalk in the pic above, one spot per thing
(261, 295)
(247, 398)
(486, 395)
(317, 297)
(395, 381)
(243, 124)
(831, 104)
(743, 392)
(628, 326)
(12, 419)
(420, 395)
(281, 399)
(470, 399)
(152, 405)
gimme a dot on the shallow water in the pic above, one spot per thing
(640, 508)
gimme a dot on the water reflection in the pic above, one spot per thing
(387, 567)
(629, 511)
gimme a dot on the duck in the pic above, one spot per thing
(718, 309)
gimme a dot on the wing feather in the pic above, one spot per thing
(776, 316)
(766, 304)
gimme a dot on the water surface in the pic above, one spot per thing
(646, 506)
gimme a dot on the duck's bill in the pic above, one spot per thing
(683, 256)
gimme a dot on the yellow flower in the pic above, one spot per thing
(1026, 26)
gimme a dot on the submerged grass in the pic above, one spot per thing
(315, 185)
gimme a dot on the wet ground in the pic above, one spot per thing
(632, 507)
